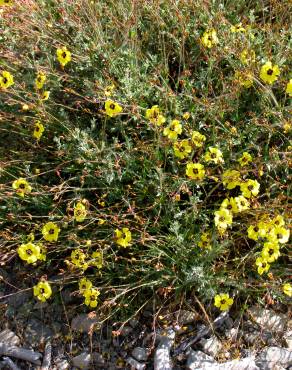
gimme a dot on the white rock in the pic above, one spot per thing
(288, 339)
(82, 361)
(8, 337)
(272, 356)
(197, 357)
(162, 360)
(244, 364)
(211, 346)
(268, 319)
(135, 364)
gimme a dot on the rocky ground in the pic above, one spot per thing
(43, 336)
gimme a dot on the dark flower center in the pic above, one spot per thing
(42, 290)
(250, 187)
(279, 236)
(64, 54)
(37, 128)
(112, 106)
(256, 229)
(271, 251)
(229, 206)
(213, 155)
(29, 252)
(21, 186)
(270, 72)
(195, 171)
(5, 80)
(221, 218)
(51, 231)
(264, 264)
(92, 297)
(223, 301)
(242, 203)
(181, 149)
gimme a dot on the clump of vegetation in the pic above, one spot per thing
(145, 150)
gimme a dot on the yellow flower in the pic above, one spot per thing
(223, 218)
(154, 116)
(277, 221)
(50, 232)
(6, 2)
(253, 232)
(245, 79)
(6, 80)
(173, 129)
(242, 203)
(245, 159)
(25, 107)
(112, 109)
(249, 188)
(237, 28)
(109, 90)
(271, 251)
(45, 95)
(187, 115)
(195, 171)
(96, 259)
(78, 259)
(229, 204)
(287, 289)
(40, 80)
(90, 296)
(209, 38)
(247, 56)
(262, 265)
(214, 155)
(182, 148)
(38, 130)
(280, 234)
(269, 73)
(84, 284)
(63, 56)
(205, 240)
(289, 88)
(223, 301)
(29, 252)
(198, 139)
(231, 179)
(80, 212)
(21, 186)
(42, 291)
(123, 237)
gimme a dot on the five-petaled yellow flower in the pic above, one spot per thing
(198, 139)
(45, 95)
(223, 218)
(84, 284)
(63, 56)
(287, 289)
(173, 130)
(271, 251)
(195, 171)
(42, 291)
(96, 259)
(289, 88)
(230, 204)
(250, 188)
(214, 155)
(182, 148)
(269, 73)
(40, 80)
(21, 186)
(80, 212)
(91, 297)
(262, 265)
(279, 234)
(6, 2)
(123, 237)
(6, 80)
(29, 252)
(245, 159)
(78, 258)
(112, 108)
(38, 130)
(209, 38)
(231, 179)
(50, 232)
(154, 115)
(223, 301)
(242, 203)
(237, 28)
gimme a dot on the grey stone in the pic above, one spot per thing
(19, 298)
(259, 337)
(134, 323)
(211, 346)
(98, 359)
(82, 361)
(198, 357)
(140, 354)
(268, 319)
(84, 323)
(126, 330)
(243, 364)
(8, 337)
(232, 334)
(288, 339)
(36, 332)
(272, 356)
(135, 364)
(186, 317)
(162, 360)
(62, 364)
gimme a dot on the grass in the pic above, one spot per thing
(123, 169)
